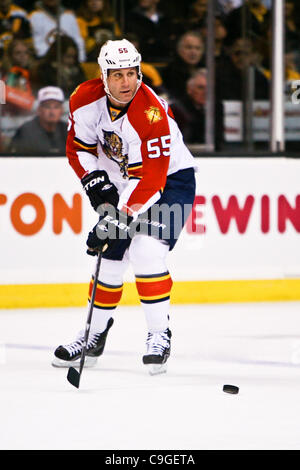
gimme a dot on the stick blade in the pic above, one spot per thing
(73, 377)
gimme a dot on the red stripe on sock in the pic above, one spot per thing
(106, 295)
(155, 287)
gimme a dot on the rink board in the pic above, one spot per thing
(241, 242)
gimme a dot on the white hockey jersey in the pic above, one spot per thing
(138, 149)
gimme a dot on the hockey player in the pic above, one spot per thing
(125, 146)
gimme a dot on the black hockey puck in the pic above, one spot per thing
(231, 389)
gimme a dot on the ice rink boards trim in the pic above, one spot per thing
(183, 292)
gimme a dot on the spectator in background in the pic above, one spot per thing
(189, 112)
(16, 73)
(226, 6)
(46, 133)
(97, 25)
(256, 14)
(152, 28)
(292, 65)
(292, 41)
(292, 71)
(197, 15)
(45, 27)
(67, 73)
(220, 37)
(151, 75)
(292, 24)
(14, 23)
(189, 57)
(18, 53)
(230, 73)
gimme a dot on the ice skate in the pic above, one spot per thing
(69, 355)
(158, 350)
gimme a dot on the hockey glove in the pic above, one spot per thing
(113, 228)
(99, 189)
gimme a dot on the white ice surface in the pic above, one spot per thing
(119, 406)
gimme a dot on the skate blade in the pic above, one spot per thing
(156, 369)
(89, 362)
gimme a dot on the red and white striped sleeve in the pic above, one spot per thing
(81, 146)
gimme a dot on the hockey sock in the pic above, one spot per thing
(106, 300)
(154, 292)
(108, 293)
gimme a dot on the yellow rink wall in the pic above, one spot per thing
(184, 292)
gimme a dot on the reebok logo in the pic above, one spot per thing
(106, 187)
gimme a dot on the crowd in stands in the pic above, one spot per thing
(55, 43)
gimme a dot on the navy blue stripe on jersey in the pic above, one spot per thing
(135, 165)
(84, 144)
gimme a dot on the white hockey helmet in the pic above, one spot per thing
(119, 54)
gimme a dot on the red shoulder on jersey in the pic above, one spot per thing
(86, 93)
(148, 117)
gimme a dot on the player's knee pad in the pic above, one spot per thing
(148, 255)
(112, 272)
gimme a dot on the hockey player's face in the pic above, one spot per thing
(122, 84)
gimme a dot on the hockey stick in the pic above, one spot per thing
(73, 374)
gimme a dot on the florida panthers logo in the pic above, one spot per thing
(113, 149)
